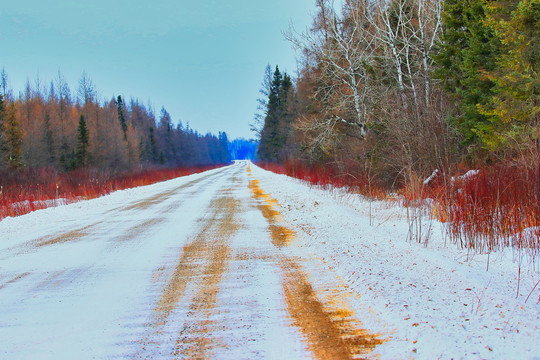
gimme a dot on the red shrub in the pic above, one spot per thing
(348, 176)
(496, 208)
(27, 190)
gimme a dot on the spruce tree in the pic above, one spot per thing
(514, 108)
(83, 140)
(274, 135)
(468, 51)
(269, 142)
(121, 116)
(284, 118)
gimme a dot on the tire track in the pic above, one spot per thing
(66, 237)
(159, 198)
(140, 205)
(195, 282)
(62, 278)
(14, 280)
(331, 332)
(139, 229)
(203, 261)
(80, 233)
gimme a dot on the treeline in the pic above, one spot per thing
(389, 91)
(53, 128)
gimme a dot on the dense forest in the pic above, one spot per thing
(404, 96)
(57, 148)
(400, 88)
(49, 127)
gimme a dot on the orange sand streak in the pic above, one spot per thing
(329, 330)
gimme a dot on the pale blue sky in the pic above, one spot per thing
(203, 60)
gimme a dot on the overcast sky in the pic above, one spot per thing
(203, 60)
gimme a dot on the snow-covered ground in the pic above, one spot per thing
(434, 302)
(236, 263)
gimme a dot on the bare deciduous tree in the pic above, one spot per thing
(344, 48)
(87, 90)
(262, 103)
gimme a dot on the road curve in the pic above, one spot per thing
(197, 267)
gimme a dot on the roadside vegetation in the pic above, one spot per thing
(437, 101)
(28, 190)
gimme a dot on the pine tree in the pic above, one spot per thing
(83, 140)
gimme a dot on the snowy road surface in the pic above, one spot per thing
(239, 263)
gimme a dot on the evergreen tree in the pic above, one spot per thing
(153, 151)
(14, 136)
(268, 142)
(83, 140)
(514, 108)
(121, 115)
(224, 148)
(3, 142)
(166, 137)
(3, 83)
(468, 51)
(274, 134)
(284, 115)
(143, 155)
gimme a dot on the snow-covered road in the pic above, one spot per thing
(190, 268)
(240, 263)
